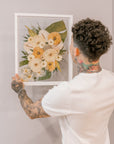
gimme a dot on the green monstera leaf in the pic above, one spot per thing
(63, 35)
(58, 27)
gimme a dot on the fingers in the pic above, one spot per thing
(13, 78)
(17, 78)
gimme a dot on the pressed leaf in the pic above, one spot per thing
(24, 57)
(62, 51)
(63, 35)
(39, 28)
(35, 78)
(43, 68)
(57, 26)
(28, 35)
(25, 37)
(25, 53)
(47, 76)
(30, 31)
(35, 30)
(56, 69)
(31, 50)
(22, 63)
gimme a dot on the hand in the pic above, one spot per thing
(17, 83)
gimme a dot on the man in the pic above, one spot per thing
(85, 103)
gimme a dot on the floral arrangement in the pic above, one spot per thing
(43, 51)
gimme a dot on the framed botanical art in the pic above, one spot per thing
(42, 48)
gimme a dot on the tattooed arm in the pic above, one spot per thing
(32, 109)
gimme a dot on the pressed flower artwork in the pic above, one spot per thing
(43, 51)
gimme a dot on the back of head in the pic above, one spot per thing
(92, 37)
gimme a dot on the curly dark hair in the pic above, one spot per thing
(92, 38)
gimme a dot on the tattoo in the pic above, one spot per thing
(33, 110)
(87, 68)
(16, 86)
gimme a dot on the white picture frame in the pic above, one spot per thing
(35, 15)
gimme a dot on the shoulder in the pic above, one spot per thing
(60, 90)
(61, 87)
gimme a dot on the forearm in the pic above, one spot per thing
(26, 102)
(33, 110)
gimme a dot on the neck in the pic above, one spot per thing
(87, 68)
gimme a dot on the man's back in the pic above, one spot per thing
(88, 103)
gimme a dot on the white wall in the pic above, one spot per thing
(15, 126)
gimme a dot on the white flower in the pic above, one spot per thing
(35, 64)
(26, 70)
(36, 40)
(44, 34)
(59, 58)
(26, 74)
(30, 57)
(27, 78)
(28, 47)
(42, 57)
(23, 76)
(41, 73)
(50, 55)
(42, 44)
(43, 64)
(50, 42)
(30, 40)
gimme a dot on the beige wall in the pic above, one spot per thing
(15, 126)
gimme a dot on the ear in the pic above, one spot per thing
(77, 52)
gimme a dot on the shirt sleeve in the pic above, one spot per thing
(55, 101)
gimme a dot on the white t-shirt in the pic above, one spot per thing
(83, 106)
